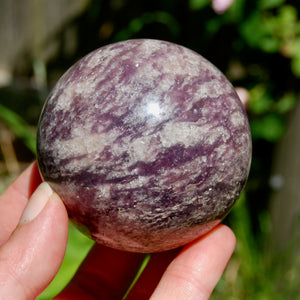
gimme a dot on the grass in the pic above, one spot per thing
(19, 127)
(253, 271)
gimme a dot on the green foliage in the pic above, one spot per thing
(137, 24)
(253, 272)
(19, 126)
(246, 276)
(198, 4)
(270, 127)
(268, 120)
(275, 32)
(269, 4)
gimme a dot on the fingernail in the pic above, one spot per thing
(36, 203)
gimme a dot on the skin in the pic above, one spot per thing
(187, 273)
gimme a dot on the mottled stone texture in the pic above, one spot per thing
(147, 144)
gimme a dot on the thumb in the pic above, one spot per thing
(33, 254)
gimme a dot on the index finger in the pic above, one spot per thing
(194, 273)
(15, 198)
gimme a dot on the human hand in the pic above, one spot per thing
(32, 241)
(33, 238)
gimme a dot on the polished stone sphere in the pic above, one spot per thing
(147, 144)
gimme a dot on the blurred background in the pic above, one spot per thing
(255, 43)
